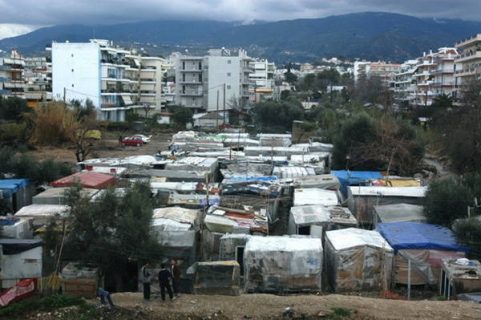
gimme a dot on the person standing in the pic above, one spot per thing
(175, 270)
(164, 282)
(146, 275)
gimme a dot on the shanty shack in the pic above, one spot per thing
(357, 260)
(425, 245)
(58, 195)
(460, 276)
(14, 194)
(315, 196)
(305, 220)
(282, 264)
(361, 200)
(42, 214)
(216, 277)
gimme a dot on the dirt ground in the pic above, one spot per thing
(266, 306)
(107, 147)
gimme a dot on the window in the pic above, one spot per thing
(228, 74)
(183, 65)
(229, 61)
(183, 89)
(72, 70)
(200, 65)
(72, 85)
(71, 55)
(228, 87)
(183, 77)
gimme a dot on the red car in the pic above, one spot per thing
(132, 141)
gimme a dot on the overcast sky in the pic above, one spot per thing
(20, 16)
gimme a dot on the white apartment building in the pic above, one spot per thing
(420, 81)
(383, 70)
(218, 81)
(262, 75)
(227, 80)
(12, 81)
(468, 62)
(113, 78)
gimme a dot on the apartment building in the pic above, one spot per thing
(38, 80)
(217, 81)
(383, 70)
(227, 80)
(468, 62)
(189, 77)
(421, 80)
(262, 80)
(113, 78)
(12, 82)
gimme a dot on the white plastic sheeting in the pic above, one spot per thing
(42, 213)
(318, 215)
(175, 227)
(315, 196)
(282, 264)
(357, 260)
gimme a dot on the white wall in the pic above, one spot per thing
(76, 67)
(27, 264)
(218, 74)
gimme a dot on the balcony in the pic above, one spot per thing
(468, 41)
(468, 56)
(193, 69)
(191, 93)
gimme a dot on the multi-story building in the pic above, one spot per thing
(468, 62)
(113, 78)
(189, 77)
(227, 80)
(420, 81)
(38, 81)
(12, 81)
(218, 81)
(383, 70)
(262, 80)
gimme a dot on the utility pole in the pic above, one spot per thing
(223, 96)
(217, 115)
(64, 95)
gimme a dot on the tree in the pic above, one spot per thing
(112, 232)
(446, 200)
(181, 116)
(276, 116)
(13, 108)
(468, 233)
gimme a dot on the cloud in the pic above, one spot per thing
(48, 12)
(8, 30)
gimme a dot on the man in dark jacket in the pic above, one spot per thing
(146, 276)
(164, 281)
(175, 270)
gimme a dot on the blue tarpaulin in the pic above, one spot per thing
(10, 186)
(354, 178)
(415, 235)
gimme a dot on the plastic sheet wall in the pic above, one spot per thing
(270, 271)
(361, 268)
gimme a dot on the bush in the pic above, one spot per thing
(447, 200)
(37, 303)
(468, 233)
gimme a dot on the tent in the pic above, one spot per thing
(280, 264)
(425, 245)
(357, 259)
(354, 178)
(16, 193)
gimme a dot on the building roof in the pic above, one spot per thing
(414, 235)
(10, 186)
(42, 211)
(318, 214)
(315, 196)
(400, 212)
(353, 237)
(14, 246)
(283, 243)
(87, 179)
(410, 192)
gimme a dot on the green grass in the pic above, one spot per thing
(340, 313)
(39, 303)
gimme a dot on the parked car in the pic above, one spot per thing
(132, 141)
(145, 139)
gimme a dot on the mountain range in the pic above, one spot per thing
(369, 35)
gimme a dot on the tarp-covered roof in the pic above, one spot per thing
(88, 179)
(284, 243)
(353, 237)
(14, 246)
(354, 178)
(10, 186)
(415, 235)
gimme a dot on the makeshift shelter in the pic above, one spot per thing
(80, 280)
(323, 181)
(315, 196)
(216, 277)
(354, 178)
(399, 212)
(459, 276)
(317, 219)
(425, 245)
(58, 195)
(361, 200)
(282, 264)
(19, 259)
(86, 179)
(15, 228)
(41, 214)
(177, 232)
(294, 172)
(16, 193)
(357, 260)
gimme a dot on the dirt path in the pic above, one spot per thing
(265, 306)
